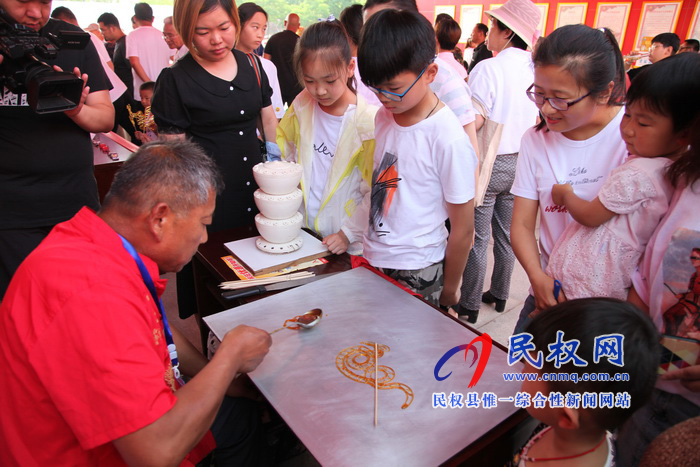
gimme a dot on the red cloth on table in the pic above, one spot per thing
(84, 354)
(361, 262)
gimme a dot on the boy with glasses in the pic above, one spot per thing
(663, 45)
(422, 172)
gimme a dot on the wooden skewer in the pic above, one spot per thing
(232, 285)
(376, 385)
(266, 280)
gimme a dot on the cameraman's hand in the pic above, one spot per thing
(86, 90)
(94, 112)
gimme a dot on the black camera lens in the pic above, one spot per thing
(52, 91)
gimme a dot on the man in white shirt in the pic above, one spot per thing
(146, 49)
(173, 39)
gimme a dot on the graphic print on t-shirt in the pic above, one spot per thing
(10, 99)
(323, 149)
(385, 180)
(572, 178)
(681, 266)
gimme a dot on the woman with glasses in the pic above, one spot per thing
(503, 114)
(579, 88)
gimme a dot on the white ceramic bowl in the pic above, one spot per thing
(278, 206)
(279, 230)
(277, 177)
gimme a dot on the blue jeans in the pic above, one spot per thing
(524, 320)
(663, 410)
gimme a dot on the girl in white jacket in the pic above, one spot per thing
(329, 130)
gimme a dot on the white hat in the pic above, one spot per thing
(520, 16)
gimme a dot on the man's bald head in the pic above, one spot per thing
(292, 22)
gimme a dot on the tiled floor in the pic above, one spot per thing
(500, 325)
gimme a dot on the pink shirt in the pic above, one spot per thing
(599, 261)
(449, 58)
(666, 269)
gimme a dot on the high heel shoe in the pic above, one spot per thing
(471, 315)
(487, 297)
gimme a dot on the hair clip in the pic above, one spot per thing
(330, 18)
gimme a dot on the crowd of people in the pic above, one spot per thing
(582, 169)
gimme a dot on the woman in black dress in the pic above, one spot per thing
(214, 95)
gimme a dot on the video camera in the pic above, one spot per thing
(23, 70)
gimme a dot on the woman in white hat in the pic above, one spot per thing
(504, 113)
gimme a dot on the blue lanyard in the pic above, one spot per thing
(146, 276)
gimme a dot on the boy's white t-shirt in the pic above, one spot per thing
(499, 84)
(666, 268)
(326, 133)
(548, 157)
(417, 170)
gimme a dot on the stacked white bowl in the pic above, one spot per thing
(278, 201)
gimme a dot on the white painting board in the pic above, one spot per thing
(694, 30)
(332, 414)
(656, 18)
(469, 15)
(614, 16)
(261, 262)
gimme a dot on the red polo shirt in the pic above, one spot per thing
(84, 357)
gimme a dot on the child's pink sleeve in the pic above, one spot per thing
(627, 189)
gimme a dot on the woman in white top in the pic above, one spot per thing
(253, 26)
(579, 88)
(447, 33)
(503, 114)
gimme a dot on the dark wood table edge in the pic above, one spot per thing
(516, 427)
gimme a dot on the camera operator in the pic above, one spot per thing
(46, 161)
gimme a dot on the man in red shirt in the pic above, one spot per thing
(88, 376)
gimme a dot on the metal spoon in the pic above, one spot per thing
(306, 321)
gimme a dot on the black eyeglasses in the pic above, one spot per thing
(555, 102)
(694, 258)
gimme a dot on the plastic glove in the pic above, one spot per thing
(274, 153)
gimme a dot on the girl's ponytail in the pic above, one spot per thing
(618, 93)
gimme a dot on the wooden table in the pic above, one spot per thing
(104, 167)
(210, 270)
(493, 448)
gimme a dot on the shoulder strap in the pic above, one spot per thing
(256, 66)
